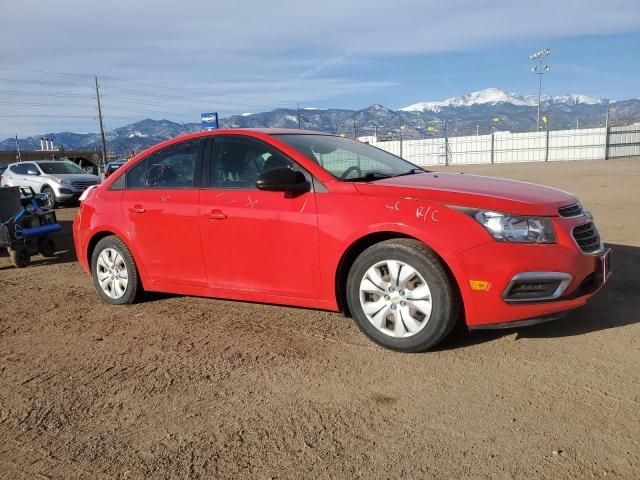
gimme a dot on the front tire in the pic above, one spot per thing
(46, 246)
(114, 272)
(51, 197)
(401, 296)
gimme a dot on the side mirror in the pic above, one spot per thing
(282, 179)
(31, 171)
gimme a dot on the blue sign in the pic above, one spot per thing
(209, 120)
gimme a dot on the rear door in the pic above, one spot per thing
(257, 241)
(160, 206)
(22, 177)
(15, 175)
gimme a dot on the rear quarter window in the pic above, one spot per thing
(136, 175)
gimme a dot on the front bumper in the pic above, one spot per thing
(68, 193)
(499, 263)
(527, 322)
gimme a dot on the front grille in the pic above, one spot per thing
(587, 237)
(84, 185)
(574, 210)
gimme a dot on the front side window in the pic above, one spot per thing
(348, 160)
(172, 167)
(239, 161)
(59, 168)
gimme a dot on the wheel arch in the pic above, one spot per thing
(366, 241)
(91, 246)
(46, 185)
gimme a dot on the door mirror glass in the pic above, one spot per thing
(282, 179)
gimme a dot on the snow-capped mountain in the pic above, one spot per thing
(469, 114)
(493, 96)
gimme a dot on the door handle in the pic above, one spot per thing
(217, 215)
(137, 209)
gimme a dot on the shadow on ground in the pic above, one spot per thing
(616, 305)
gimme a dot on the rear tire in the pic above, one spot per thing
(51, 197)
(20, 256)
(401, 296)
(114, 272)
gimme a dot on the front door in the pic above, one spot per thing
(257, 241)
(160, 205)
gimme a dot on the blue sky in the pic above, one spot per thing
(160, 59)
(604, 66)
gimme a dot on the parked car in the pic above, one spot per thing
(112, 167)
(62, 181)
(314, 220)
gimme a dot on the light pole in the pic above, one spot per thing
(540, 70)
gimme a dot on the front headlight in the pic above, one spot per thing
(505, 227)
(62, 181)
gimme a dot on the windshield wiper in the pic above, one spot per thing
(370, 176)
(413, 171)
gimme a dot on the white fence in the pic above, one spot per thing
(507, 147)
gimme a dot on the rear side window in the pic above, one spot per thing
(136, 175)
(172, 167)
(119, 184)
(22, 168)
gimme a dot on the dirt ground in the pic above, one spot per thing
(181, 387)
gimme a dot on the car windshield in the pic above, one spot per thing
(59, 168)
(349, 160)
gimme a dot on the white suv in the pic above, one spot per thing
(62, 181)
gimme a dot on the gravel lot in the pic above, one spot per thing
(182, 387)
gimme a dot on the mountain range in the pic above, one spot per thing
(475, 112)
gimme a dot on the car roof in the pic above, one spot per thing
(51, 161)
(282, 131)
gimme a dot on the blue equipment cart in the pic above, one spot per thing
(26, 225)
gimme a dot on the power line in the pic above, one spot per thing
(43, 82)
(196, 92)
(40, 104)
(42, 94)
(44, 115)
(46, 72)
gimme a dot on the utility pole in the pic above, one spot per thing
(299, 121)
(540, 70)
(606, 131)
(446, 142)
(355, 127)
(18, 158)
(104, 143)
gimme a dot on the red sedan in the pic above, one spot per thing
(303, 218)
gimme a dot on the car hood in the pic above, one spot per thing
(75, 177)
(472, 191)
